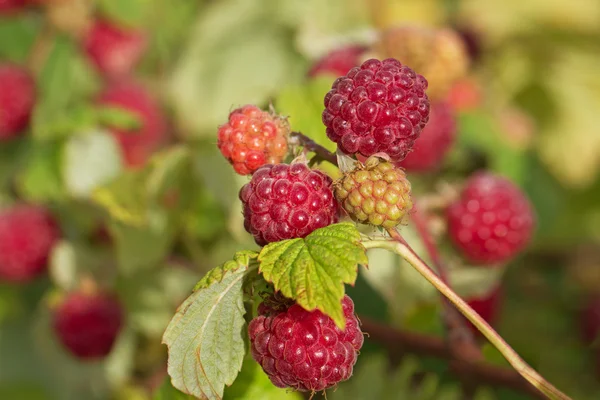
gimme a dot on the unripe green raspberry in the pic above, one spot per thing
(375, 193)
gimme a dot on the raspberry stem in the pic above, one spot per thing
(460, 339)
(403, 249)
(314, 147)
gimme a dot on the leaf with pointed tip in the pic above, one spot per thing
(313, 270)
(205, 338)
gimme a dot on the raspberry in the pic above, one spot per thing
(377, 193)
(87, 324)
(338, 62)
(138, 145)
(252, 138)
(11, 6)
(115, 50)
(17, 98)
(379, 107)
(435, 140)
(491, 221)
(487, 306)
(440, 55)
(305, 350)
(286, 201)
(27, 235)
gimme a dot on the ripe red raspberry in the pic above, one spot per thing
(338, 62)
(305, 350)
(379, 107)
(435, 140)
(375, 193)
(252, 138)
(491, 221)
(115, 50)
(487, 306)
(137, 146)
(17, 98)
(11, 6)
(284, 201)
(87, 324)
(27, 235)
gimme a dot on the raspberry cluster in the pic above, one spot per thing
(379, 107)
(87, 324)
(491, 221)
(305, 350)
(376, 193)
(27, 235)
(285, 201)
(252, 138)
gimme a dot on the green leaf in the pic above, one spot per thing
(205, 338)
(119, 118)
(313, 270)
(40, 178)
(241, 259)
(64, 82)
(124, 198)
(252, 383)
(17, 35)
(89, 161)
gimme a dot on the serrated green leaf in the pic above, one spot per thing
(89, 161)
(313, 270)
(205, 338)
(241, 259)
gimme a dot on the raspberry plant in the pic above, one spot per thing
(288, 299)
(114, 200)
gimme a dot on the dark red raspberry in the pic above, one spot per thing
(87, 324)
(286, 201)
(115, 50)
(435, 140)
(252, 138)
(491, 221)
(338, 62)
(487, 306)
(305, 350)
(138, 145)
(27, 235)
(379, 107)
(17, 98)
(11, 6)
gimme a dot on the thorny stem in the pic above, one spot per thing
(316, 148)
(403, 249)
(460, 339)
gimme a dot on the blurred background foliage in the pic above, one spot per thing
(527, 110)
